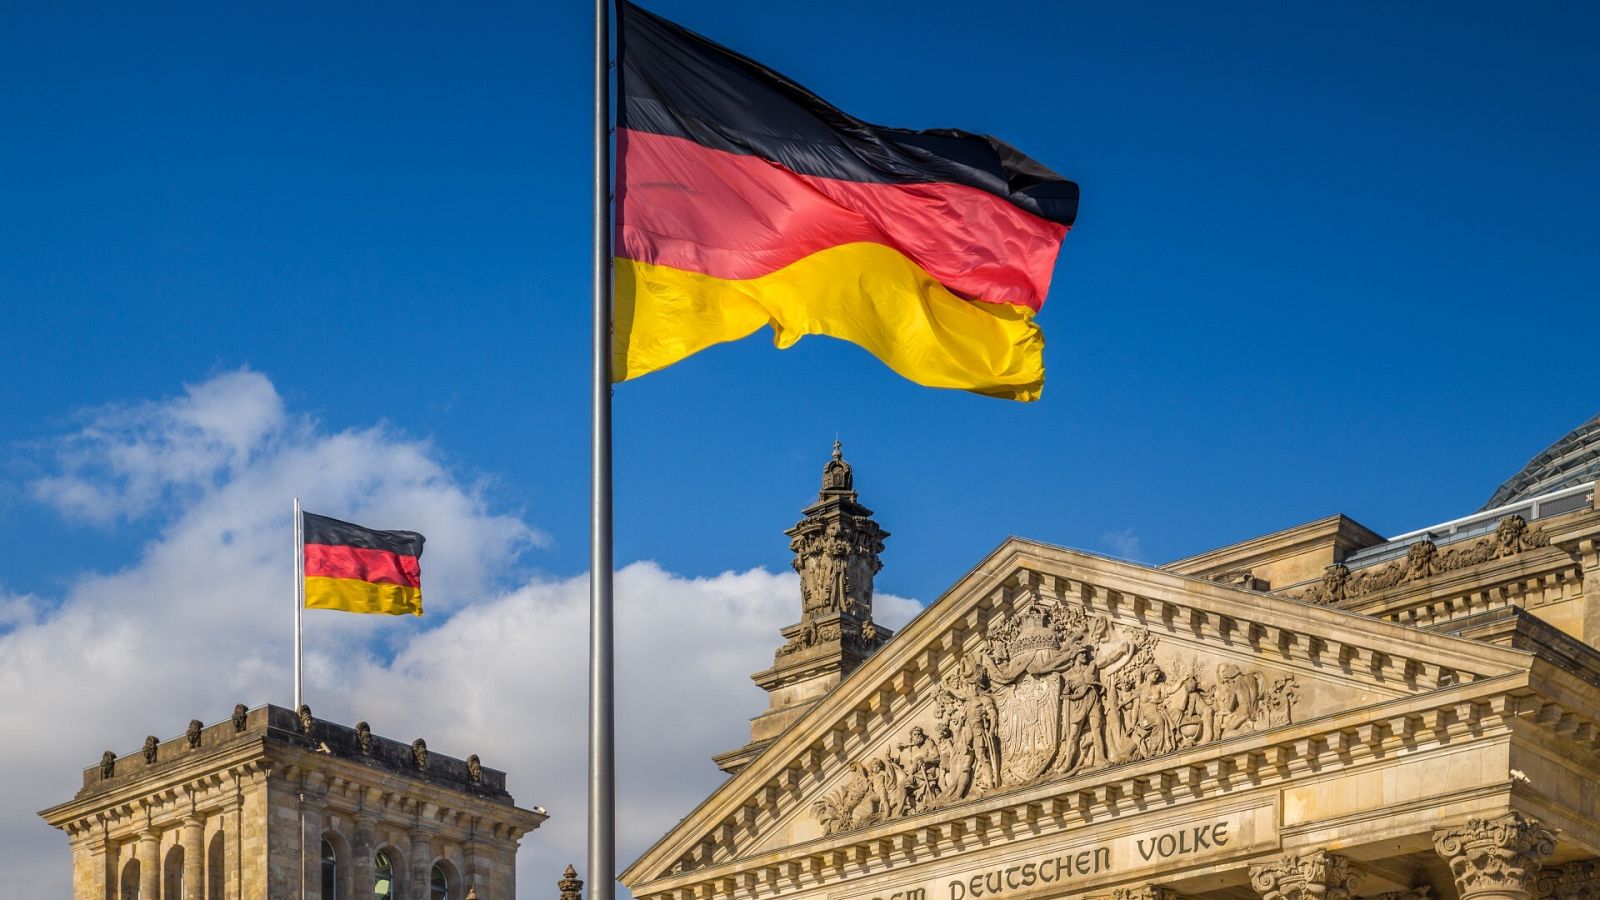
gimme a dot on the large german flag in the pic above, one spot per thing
(361, 570)
(745, 200)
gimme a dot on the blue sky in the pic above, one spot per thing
(1328, 259)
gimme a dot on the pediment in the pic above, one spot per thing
(1045, 666)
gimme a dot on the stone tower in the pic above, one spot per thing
(274, 804)
(836, 547)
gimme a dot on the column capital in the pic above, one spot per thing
(1139, 892)
(1317, 875)
(1496, 858)
(1574, 881)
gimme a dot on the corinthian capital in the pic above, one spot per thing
(1496, 858)
(1318, 875)
(1145, 892)
(1573, 881)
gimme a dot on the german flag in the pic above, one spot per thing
(361, 570)
(745, 200)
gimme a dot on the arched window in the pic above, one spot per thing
(438, 883)
(130, 880)
(382, 877)
(330, 872)
(172, 875)
(216, 876)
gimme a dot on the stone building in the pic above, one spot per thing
(273, 804)
(1321, 713)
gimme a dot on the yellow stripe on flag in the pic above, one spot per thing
(869, 294)
(354, 595)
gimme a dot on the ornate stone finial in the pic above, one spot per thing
(240, 715)
(419, 753)
(571, 887)
(474, 769)
(1496, 857)
(151, 742)
(192, 734)
(836, 476)
(108, 765)
(364, 738)
(306, 719)
(1318, 875)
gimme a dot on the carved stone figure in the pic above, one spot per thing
(1051, 690)
(108, 765)
(151, 743)
(1425, 559)
(1495, 857)
(419, 753)
(364, 738)
(192, 734)
(474, 769)
(240, 715)
(306, 720)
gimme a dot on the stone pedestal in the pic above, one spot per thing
(1318, 875)
(1496, 859)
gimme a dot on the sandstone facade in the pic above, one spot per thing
(273, 804)
(1316, 714)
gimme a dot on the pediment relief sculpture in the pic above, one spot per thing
(1424, 559)
(1052, 691)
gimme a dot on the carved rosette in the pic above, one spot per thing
(1574, 881)
(1496, 857)
(1318, 875)
(1145, 892)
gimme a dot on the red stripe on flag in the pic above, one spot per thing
(377, 566)
(690, 207)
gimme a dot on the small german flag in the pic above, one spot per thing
(361, 570)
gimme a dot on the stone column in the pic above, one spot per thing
(194, 855)
(232, 844)
(362, 840)
(149, 865)
(1317, 875)
(1139, 892)
(421, 863)
(1496, 859)
(311, 846)
(473, 860)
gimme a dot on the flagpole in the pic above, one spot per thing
(299, 598)
(602, 771)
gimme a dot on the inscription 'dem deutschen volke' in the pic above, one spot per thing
(1063, 868)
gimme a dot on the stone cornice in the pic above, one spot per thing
(1285, 632)
(1268, 547)
(209, 785)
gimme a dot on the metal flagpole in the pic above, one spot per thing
(299, 598)
(602, 772)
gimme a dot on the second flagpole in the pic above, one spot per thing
(602, 772)
(299, 600)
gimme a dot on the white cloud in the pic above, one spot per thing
(1123, 544)
(200, 622)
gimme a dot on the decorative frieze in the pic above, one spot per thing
(1318, 875)
(1424, 559)
(1145, 892)
(1493, 858)
(1052, 691)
